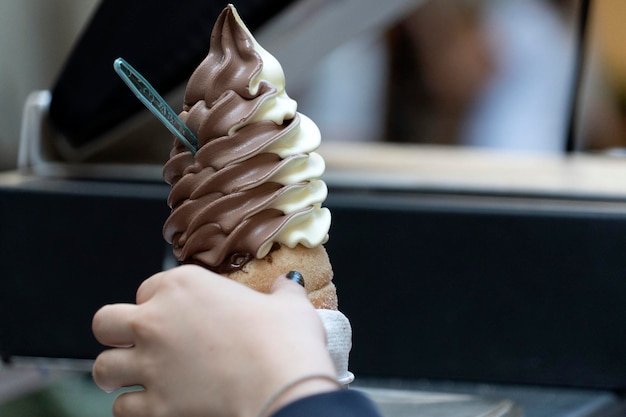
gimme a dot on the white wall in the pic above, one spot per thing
(35, 38)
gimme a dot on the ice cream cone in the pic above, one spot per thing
(248, 203)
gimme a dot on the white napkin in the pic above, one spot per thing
(338, 341)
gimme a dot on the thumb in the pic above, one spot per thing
(292, 282)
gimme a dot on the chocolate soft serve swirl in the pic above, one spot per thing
(253, 184)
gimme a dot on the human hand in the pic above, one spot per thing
(200, 344)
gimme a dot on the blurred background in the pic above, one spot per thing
(35, 38)
(484, 73)
(494, 74)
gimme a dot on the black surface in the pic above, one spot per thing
(434, 288)
(490, 294)
(163, 39)
(63, 256)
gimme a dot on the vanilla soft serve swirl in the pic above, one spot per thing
(254, 182)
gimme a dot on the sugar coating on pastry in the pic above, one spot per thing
(312, 263)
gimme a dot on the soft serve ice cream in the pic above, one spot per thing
(248, 205)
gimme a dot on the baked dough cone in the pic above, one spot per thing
(312, 263)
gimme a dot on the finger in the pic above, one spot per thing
(290, 283)
(149, 287)
(133, 404)
(116, 368)
(111, 325)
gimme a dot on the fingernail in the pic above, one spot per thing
(295, 276)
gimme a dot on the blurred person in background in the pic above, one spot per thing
(481, 73)
(496, 74)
